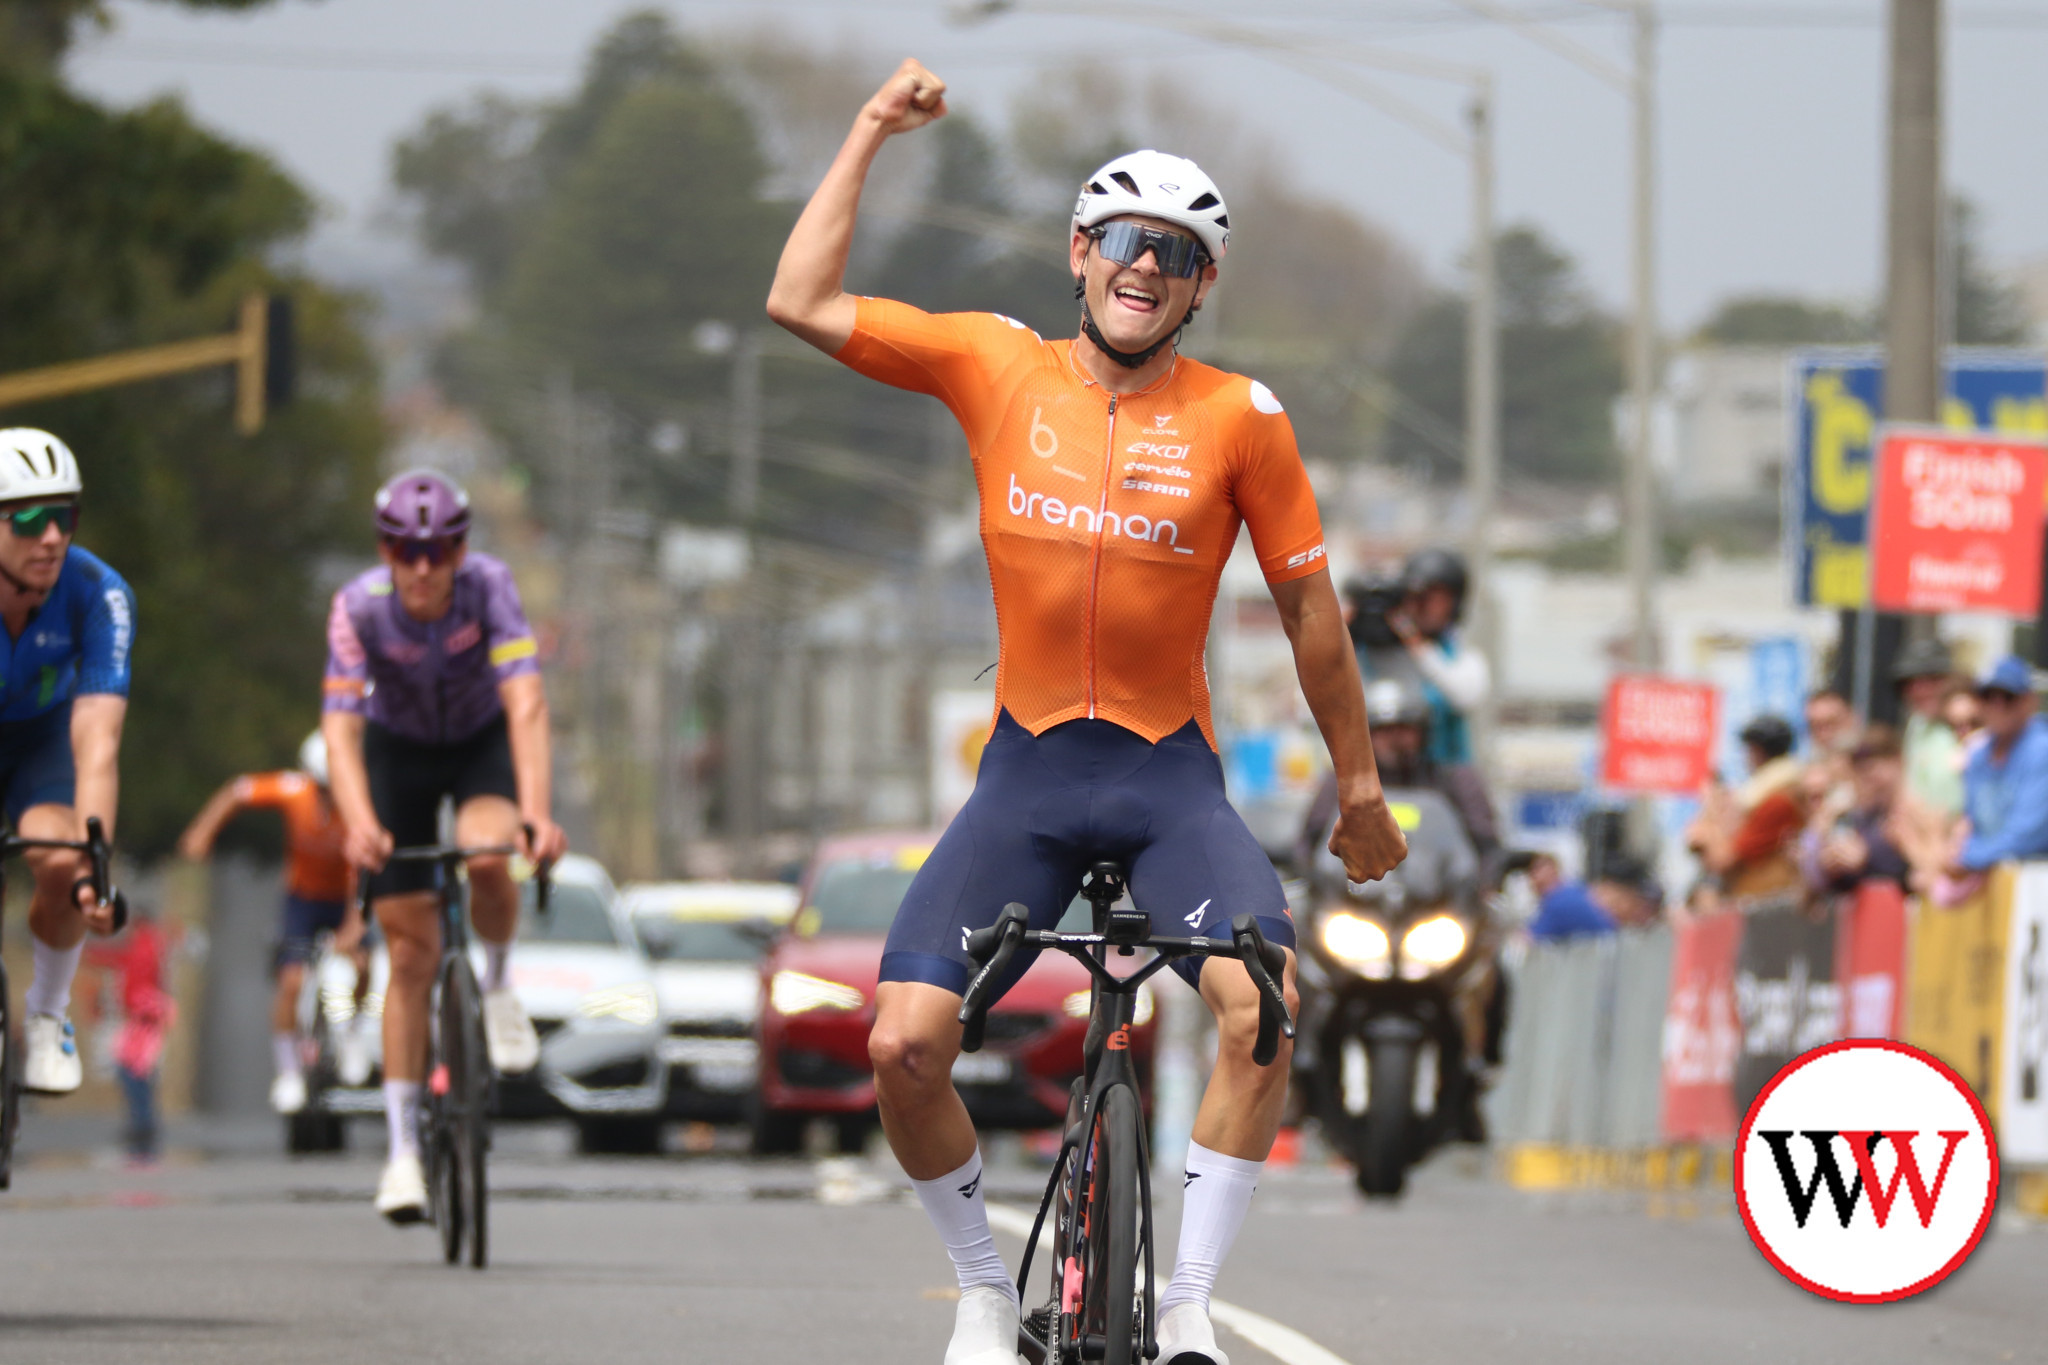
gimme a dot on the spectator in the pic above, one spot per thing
(1831, 726)
(1564, 910)
(1746, 837)
(1922, 674)
(1964, 714)
(1863, 842)
(2005, 785)
(138, 958)
(1627, 892)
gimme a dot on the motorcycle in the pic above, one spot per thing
(1397, 977)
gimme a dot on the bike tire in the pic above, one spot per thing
(1388, 1138)
(444, 1071)
(10, 1085)
(1110, 1309)
(469, 1094)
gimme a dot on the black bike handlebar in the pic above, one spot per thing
(99, 856)
(995, 946)
(543, 880)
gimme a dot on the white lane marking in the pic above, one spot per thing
(1283, 1343)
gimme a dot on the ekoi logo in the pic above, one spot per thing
(1866, 1171)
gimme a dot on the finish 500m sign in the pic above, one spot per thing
(1866, 1171)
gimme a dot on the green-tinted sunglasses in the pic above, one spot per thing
(30, 522)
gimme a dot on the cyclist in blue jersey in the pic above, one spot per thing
(433, 692)
(63, 697)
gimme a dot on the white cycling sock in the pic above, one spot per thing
(50, 990)
(1218, 1193)
(284, 1053)
(955, 1206)
(495, 955)
(402, 1115)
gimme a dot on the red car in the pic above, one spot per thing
(817, 1005)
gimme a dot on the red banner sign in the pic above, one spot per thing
(1870, 960)
(1958, 522)
(1658, 734)
(1702, 1035)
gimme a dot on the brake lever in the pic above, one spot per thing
(999, 941)
(1259, 957)
(100, 856)
(543, 878)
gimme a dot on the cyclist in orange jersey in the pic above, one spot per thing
(317, 898)
(1114, 476)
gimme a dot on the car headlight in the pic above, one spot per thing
(1431, 945)
(632, 1003)
(1075, 1006)
(800, 993)
(1358, 943)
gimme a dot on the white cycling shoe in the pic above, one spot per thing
(52, 1066)
(352, 1060)
(1186, 1338)
(288, 1093)
(402, 1191)
(508, 1033)
(984, 1328)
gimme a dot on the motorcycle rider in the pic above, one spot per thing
(1455, 677)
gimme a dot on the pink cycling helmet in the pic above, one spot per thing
(422, 504)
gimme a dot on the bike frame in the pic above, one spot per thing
(1106, 1061)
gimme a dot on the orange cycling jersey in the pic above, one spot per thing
(1106, 518)
(313, 831)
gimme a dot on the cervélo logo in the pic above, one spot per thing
(1866, 1171)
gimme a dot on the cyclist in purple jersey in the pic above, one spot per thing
(433, 691)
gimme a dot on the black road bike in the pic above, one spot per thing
(455, 1108)
(98, 855)
(1100, 1192)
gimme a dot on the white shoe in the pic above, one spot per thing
(984, 1328)
(402, 1192)
(288, 1093)
(508, 1033)
(1186, 1338)
(352, 1062)
(52, 1066)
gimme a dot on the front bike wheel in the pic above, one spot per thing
(1109, 1329)
(469, 1097)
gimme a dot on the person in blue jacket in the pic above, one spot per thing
(2005, 782)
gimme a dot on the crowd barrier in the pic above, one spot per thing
(1632, 1058)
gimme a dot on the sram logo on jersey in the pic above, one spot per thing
(1308, 556)
(1866, 1171)
(1055, 512)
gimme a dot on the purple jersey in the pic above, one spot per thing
(435, 682)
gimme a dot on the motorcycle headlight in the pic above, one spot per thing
(632, 1003)
(800, 993)
(1431, 945)
(1358, 943)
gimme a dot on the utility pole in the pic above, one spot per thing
(1482, 401)
(745, 754)
(743, 483)
(1640, 479)
(1913, 273)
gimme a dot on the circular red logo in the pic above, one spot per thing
(1866, 1171)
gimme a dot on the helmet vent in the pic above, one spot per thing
(1207, 201)
(1224, 222)
(1125, 179)
(1095, 187)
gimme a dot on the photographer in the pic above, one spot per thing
(1409, 628)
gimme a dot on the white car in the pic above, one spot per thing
(705, 941)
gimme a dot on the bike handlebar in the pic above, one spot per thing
(543, 880)
(99, 855)
(995, 946)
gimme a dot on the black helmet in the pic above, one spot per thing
(1437, 567)
(1390, 701)
(1921, 659)
(1771, 734)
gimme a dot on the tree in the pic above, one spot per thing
(1988, 311)
(1561, 371)
(1783, 320)
(125, 228)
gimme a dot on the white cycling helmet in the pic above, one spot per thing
(313, 757)
(35, 464)
(1159, 186)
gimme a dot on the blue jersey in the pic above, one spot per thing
(77, 641)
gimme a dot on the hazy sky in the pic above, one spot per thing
(1771, 111)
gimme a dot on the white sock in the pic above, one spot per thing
(402, 1115)
(495, 956)
(284, 1053)
(1217, 1195)
(50, 991)
(955, 1206)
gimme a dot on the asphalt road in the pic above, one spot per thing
(230, 1253)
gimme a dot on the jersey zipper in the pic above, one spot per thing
(1095, 568)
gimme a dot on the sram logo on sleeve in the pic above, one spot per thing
(1866, 1171)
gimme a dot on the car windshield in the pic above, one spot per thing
(577, 913)
(697, 940)
(860, 896)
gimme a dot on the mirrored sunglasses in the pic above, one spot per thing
(436, 552)
(30, 522)
(1124, 242)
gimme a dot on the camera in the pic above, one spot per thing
(1372, 600)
